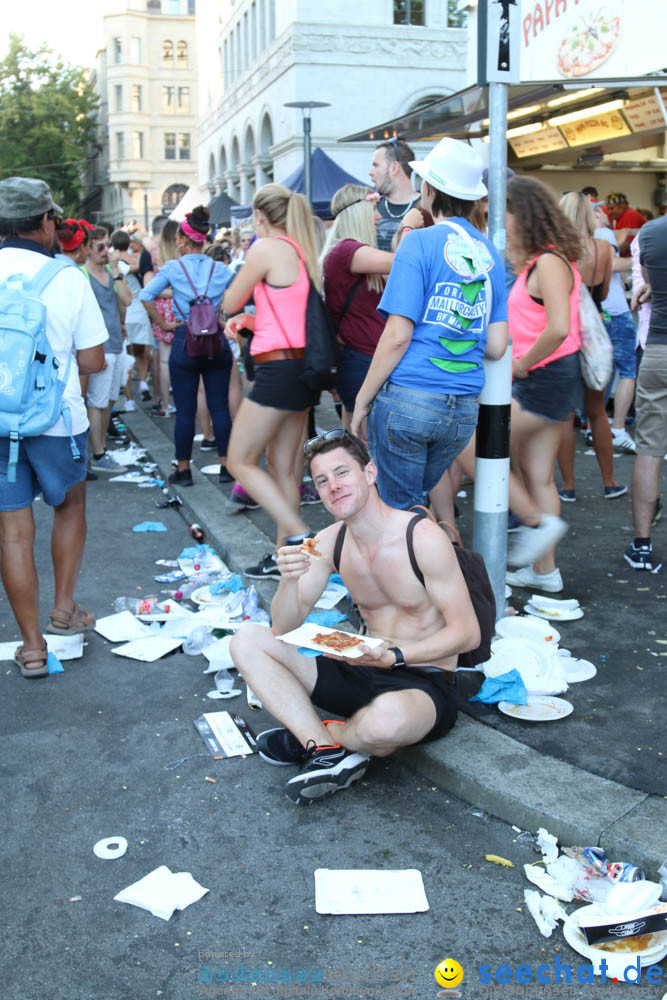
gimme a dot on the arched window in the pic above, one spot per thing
(167, 53)
(182, 55)
(172, 195)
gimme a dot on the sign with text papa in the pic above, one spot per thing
(591, 39)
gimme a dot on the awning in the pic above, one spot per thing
(568, 123)
(193, 196)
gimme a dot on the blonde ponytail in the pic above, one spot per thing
(290, 211)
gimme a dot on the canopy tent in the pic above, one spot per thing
(221, 208)
(193, 196)
(326, 177)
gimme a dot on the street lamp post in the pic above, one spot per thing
(307, 166)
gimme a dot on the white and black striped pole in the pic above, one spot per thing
(498, 64)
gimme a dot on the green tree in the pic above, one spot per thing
(47, 120)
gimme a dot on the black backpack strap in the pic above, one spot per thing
(348, 298)
(338, 546)
(411, 549)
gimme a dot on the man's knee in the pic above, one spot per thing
(246, 643)
(390, 720)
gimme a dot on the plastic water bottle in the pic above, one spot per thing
(224, 680)
(137, 605)
(198, 640)
(195, 582)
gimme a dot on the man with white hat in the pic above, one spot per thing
(446, 306)
(52, 463)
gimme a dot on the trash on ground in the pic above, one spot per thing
(539, 877)
(149, 526)
(210, 470)
(634, 953)
(252, 699)
(169, 502)
(148, 649)
(218, 655)
(358, 891)
(548, 845)
(128, 456)
(497, 860)
(537, 662)
(578, 670)
(545, 910)
(121, 627)
(507, 687)
(173, 577)
(110, 848)
(230, 585)
(526, 627)
(53, 664)
(162, 891)
(136, 605)
(225, 734)
(136, 478)
(65, 647)
(538, 708)
(547, 607)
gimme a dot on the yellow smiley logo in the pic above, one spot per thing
(448, 973)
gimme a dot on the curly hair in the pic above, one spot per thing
(540, 223)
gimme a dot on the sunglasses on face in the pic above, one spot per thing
(57, 219)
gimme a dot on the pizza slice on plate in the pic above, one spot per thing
(338, 642)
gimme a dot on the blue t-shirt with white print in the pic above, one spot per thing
(438, 280)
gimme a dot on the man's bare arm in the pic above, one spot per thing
(303, 580)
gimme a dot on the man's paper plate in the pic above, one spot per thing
(305, 634)
(539, 708)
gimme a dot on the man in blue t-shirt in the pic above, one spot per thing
(446, 306)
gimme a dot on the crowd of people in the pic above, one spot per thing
(419, 298)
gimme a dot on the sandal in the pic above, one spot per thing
(24, 657)
(70, 622)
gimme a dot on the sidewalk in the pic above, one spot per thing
(599, 776)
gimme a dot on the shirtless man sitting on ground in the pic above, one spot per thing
(388, 696)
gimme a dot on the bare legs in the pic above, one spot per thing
(602, 440)
(255, 429)
(645, 488)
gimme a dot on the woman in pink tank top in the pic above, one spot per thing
(543, 318)
(277, 272)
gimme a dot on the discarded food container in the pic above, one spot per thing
(198, 640)
(197, 532)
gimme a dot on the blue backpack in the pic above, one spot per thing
(31, 394)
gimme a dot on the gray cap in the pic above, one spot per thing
(25, 197)
(509, 173)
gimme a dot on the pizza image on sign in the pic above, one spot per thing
(589, 43)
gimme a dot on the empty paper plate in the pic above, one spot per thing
(526, 627)
(539, 708)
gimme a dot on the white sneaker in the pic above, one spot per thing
(130, 405)
(552, 582)
(528, 544)
(622, 441)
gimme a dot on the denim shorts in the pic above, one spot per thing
(352, 370)
(552, 392)
(343, 689)
(413, 437)
(623, 336)
(45, 465)
(278, 385)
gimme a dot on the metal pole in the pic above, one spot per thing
(492, 442)
(146, 212)
(307, 164)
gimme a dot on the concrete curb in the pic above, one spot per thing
(475, 762)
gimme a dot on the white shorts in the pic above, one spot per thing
(106, 385)
(139, 332)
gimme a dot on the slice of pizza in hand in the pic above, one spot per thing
(309, 546)
(338, 642)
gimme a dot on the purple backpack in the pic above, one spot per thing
(203, 335)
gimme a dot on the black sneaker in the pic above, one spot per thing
(279, 746)
(240, 500)
(266, 569)
(327, 770)
(208, 444)
(613, 492)
(182, 478)
(640, 557)
(224, 476)
(116, 434)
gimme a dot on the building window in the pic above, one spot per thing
(167, 53)
(137, 97)
(118, 97)
(191, 8)
(168, 98)
(184, 145)
(272, 20)
(409, 12)
(120, 145)
(135, 49)
(154, 6)
(174, 7)
(182, 55)
(117, 50)
(172, 196)
(170, 145)
(246, 53)
(184, 100)
(262, 25)
(138, 145)
(456, 18)
(253, 32)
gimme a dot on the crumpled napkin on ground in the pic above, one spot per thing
(150, 526)
(506, 687)
(545, 910)
(162, 891)
(232, 584)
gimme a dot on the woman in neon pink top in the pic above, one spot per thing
(543, 317)
(277, 271)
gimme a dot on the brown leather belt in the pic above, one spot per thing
(286, 354)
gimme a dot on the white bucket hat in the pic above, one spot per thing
(454, 168)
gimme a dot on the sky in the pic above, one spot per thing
(72, 28)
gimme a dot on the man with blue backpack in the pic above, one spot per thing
(51, 330)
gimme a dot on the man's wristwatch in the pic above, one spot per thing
(400, 659)
(117, 277)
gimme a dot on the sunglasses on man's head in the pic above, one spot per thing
(337, 432)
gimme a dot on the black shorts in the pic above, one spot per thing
(343, 689)
(277, 384)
